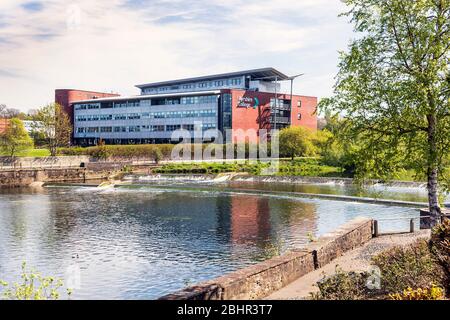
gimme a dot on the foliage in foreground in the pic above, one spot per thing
(413, 272)
(393, 88)
(343, 286)
(440, 247)
(33, 286)
(412, 266)
(434, 293)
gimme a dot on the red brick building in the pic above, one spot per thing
(238, 100)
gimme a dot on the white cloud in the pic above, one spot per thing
(107, 45)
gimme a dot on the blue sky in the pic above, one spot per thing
(111, 45)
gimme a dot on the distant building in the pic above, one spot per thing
(238, 100)
(32, 126)
(3, 125)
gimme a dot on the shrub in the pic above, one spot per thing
(434, 293)
(156, 152)
(297, 142)
(440, 248)
(33, 287)
(406, 267)
(343, 286)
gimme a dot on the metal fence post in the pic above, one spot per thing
(375, 228)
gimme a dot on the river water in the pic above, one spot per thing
(145, 240)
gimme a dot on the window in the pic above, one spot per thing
(236, 81)
(105, 117)
(120, 129)
(189, 127)
(299, 116)
(134, 129)
(81, 130)
(120, 117)
(133, 116)
(157, 128)
(299, 103)
(173, 127)
(105, 129)
(92, 129)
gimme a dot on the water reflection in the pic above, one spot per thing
(144, 242)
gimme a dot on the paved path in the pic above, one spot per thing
(355, 260)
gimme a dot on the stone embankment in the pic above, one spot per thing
(22, 172)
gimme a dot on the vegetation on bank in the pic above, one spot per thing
(298, 167)
(419, 271)
(33, 286)
(392, 86)
(29, 153)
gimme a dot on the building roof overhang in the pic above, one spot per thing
(263, 73)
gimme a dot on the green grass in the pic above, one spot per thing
(31, 153)
(298, 167)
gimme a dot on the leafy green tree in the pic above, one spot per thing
(393, 84)
(15, 138)
(54, 125)
(297, 142)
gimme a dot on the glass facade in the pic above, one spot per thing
(143, 119)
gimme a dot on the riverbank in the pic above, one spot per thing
(260, 280)
(356, 260)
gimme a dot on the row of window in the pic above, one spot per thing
(150, 128)
(148, 115)
(148, 102)
(203, 84)
(282, 103)
(87, 106)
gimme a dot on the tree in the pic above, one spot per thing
(15, 138)
(393, 85)
(55, 126)
(297, 142)
(9, 113)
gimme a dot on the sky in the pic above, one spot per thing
(112, 45)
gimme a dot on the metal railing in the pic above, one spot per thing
(376, 231)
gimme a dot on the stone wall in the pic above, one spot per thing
(25, 177)
(42, 162)
(260, 280)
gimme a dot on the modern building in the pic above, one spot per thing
(239, 100)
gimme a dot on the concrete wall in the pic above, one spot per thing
(260, 280)
(42, 162)
(25, 177)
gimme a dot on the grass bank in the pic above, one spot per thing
(299, 167)
(30, 153)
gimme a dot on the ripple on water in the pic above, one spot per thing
(141, 242)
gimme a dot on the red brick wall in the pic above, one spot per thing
(259, 118)
(307, 109)
(3, 124)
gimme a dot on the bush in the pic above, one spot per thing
(434, 293)
(33, 287)
(440, 248)
(412, 266)
(157, 152)
(297, 142)
(343, 286)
